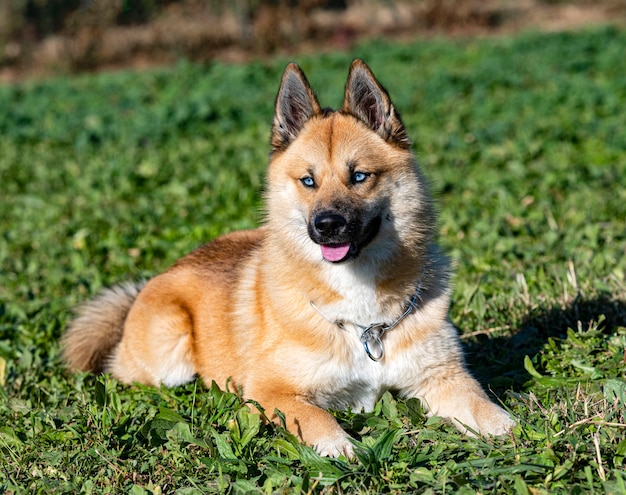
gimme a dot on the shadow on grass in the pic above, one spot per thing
(499, 362)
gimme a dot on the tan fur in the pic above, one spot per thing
(264, 309)
(104, 316)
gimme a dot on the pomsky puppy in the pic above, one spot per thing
(341, 295)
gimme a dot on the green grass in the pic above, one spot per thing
(113, 177)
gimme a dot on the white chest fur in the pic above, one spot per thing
(345, 377)
(359, 303)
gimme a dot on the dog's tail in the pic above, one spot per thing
(98, 327)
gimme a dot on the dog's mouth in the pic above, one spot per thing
(336, 252)
(339, 239)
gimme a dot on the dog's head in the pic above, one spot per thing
(345, 178)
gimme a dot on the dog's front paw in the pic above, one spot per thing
(482, 418)
(334, 446)
(497, 422)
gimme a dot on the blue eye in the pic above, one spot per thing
(308, 181)
(358, 177)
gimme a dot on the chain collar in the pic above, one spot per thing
(372, 335)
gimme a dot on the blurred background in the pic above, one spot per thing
(43, 37)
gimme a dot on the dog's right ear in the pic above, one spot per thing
(295, 105)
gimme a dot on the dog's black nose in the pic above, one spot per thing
(329, 224)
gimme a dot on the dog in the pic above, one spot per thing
(341, 294)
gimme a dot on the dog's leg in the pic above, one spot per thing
(156, 344)
(444, 386)
(312, 425)
(455, 395)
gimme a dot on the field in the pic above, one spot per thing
(111, 177)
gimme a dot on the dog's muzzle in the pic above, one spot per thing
(341, 238)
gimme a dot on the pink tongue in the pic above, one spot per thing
(335, 253)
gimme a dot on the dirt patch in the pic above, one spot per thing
(90, 41)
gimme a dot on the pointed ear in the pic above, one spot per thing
(367, 100)
(295, 105)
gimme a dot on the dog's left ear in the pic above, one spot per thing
(367, 100)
